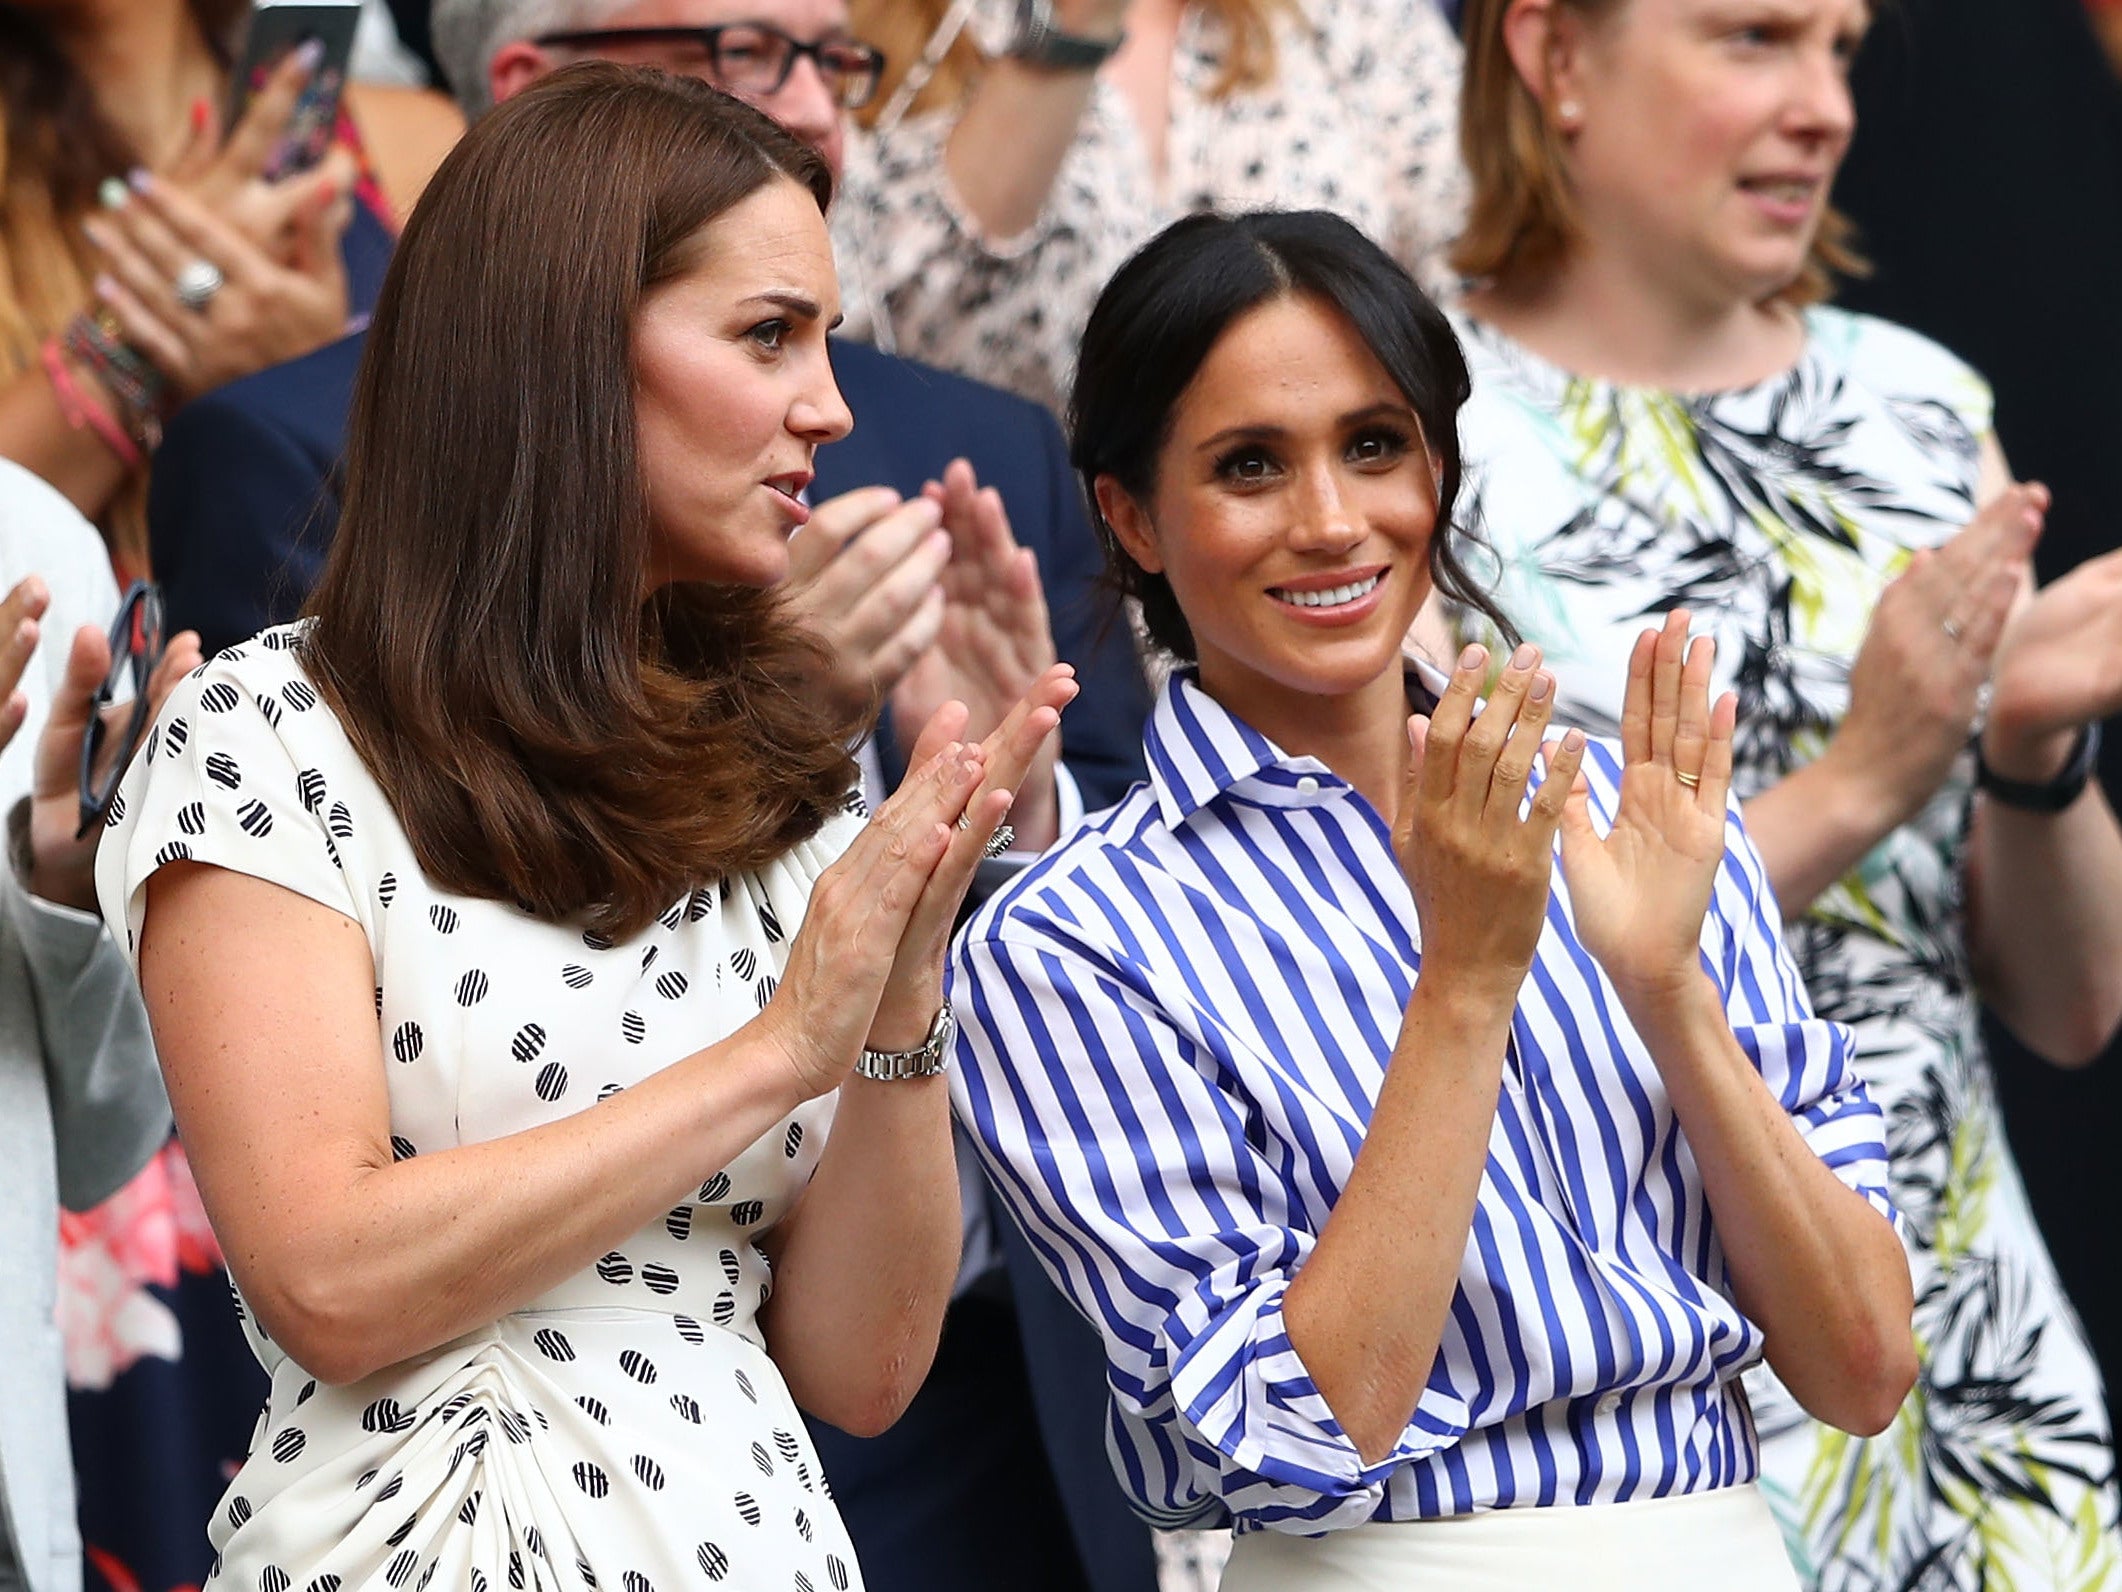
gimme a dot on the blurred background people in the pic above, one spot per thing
(81, 1104)
(1664, 413)
(96, 350)
(1051, 140)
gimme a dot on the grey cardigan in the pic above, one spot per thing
(81, 1102)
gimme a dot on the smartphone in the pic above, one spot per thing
(276, 27)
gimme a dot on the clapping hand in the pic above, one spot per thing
(1640, 892)
(2059, 668)
(1915, 688)
(63, 863)
(1479, 863)
(864, 577)
(866, 968)
(994, 640)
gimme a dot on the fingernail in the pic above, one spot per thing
(140, 179)
(112, 194)
(1543, 682)
(106, 286)
(201, 111)
(1524, 656)
(1573, 741)
(1474, 656)
(309, 54)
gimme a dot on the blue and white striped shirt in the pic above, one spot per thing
(1173, 1030)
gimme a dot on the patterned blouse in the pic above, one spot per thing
(1778, 513)
(1360, 118)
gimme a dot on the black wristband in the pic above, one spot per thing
(2057, 793)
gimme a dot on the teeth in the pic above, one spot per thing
(1332, 598)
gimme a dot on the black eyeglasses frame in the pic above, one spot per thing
(710, 39)
(137, 641)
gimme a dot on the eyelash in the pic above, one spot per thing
(1392, 444)
(771, 336)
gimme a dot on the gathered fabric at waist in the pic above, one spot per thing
(1725, 1536)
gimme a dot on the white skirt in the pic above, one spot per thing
(1725, 1538)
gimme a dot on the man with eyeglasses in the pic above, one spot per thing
(997, 1476)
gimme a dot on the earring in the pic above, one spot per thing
(1567, 114)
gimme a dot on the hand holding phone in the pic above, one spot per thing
(321, 32)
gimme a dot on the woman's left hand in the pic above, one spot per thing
(1639, 895)
(2059, 667)
(995, 641)
(62, 867)
(915, 987)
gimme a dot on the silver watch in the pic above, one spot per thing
(1040, 43)
(927, 1059)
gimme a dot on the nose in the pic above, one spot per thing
(1821, 104)
(1325, 520)
(820, 415)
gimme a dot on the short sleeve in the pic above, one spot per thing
(216, 782)
(1135, 1178)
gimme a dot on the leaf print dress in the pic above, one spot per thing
(1777, 513)
(625, 1431)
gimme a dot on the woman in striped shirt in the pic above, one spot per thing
(1408, 1177)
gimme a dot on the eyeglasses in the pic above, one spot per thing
(749, 58)
(136, 647)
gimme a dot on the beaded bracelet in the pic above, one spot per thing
(81, 410)
(137, 385)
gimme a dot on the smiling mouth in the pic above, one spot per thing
(1332, 597)
(1782, 190)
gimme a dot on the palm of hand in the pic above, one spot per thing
(1639, 894)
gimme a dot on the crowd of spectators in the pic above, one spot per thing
(1791, 314)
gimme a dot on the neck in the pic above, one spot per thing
(1607, 313)
(148, 62)
(1361, 735)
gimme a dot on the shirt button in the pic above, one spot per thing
(1608, 1403)
(1308, 785)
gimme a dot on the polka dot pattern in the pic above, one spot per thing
(526, 1454)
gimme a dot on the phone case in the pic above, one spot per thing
(276, 29)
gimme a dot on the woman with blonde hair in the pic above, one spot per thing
(1029, 146)
(1666, 412)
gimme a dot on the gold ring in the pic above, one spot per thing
(1691, 781)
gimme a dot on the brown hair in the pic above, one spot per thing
(545, 735)
(902, 29)
(59, 145)
(1522, 219)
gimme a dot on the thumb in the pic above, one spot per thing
(316, 251)
(1580, 840)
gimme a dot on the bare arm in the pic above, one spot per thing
(35, 433)
(1018, 125)
(1815, 1266)
(1366, 1314)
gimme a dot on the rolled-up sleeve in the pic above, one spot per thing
(1161, 1211)
(1808, 1063)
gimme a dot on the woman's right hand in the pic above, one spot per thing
(841, 958)
(1480, 871)
(1915, 688)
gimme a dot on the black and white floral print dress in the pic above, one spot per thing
(627, 1430)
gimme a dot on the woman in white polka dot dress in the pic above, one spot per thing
(508, 935)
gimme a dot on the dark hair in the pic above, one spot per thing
(1170, 304)
(546, 735)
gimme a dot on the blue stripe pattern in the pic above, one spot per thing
(1173, 1030)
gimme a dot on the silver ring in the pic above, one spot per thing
(1983, 693)
(197, 283)
(1953, 632)
(1001, 840)
(965, 820)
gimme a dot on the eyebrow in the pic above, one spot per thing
(1269, 433)
(787, 299)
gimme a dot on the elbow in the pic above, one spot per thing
(1874, 1384)
(324, 1329)
(867, 1406)
(2078, 1034)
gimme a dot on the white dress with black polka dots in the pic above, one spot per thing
(626, 1431)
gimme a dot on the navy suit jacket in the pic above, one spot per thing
(244, 498)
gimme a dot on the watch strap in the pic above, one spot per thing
(1039, 43)
(925, 1060)
(2052, 796)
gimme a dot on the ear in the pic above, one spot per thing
(1546, 49)
(1130, 524)
(514, 67)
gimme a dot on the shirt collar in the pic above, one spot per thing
(1198, 750)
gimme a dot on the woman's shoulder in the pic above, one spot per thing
(1106, 852)
(1899, 364)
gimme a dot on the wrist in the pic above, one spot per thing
(1857, 793)
(2027, 754)
(904, 1023)
(1677, 1001)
